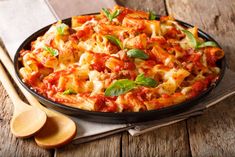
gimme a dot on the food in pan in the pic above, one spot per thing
(120, 60)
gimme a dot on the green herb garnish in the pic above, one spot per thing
(145, 81)
(124, 85)
(136, 53)
(69, 91)
(54, 52)
(206, 44)
(195, 44)
(114, 40)
(61, 29)
(152, 15)
(191, 38)
(109, 15)
(119, 87)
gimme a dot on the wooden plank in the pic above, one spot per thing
(157, 6)
(167, 141)
(109, 146)
(213, 133)
(9, 145)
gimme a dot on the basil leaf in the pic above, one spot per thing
(120, 87)
(136, 53)
(191, 38)
(145, 81)
(61, 29)
(195, 44)
(109, 15)
(206, 44)
(124, 85)
(69, 91)
(115, 14)
(114, 40)
(152, 16)
(54, 52)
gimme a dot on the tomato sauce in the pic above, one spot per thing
(105, 104)
(99, 61)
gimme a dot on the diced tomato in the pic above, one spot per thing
(209, 79)
(165, 95)
(118, 68)
(150, 63)
(99, 61)
(195, 57)
(129, 65)
(123, 13)
(84, 33)
(172, 33)
(98, 67)
(32, 80)
(201, 85)
(159, 41)
(83, 19)
(101, 105)
(211, 60)
(198, 86)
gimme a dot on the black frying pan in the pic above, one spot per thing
(124, 117)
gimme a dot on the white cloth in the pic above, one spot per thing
(20, 18)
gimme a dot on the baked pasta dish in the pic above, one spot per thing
(120, 60)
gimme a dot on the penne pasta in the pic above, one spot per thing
(120, 60)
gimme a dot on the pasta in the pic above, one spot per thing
(120, 60)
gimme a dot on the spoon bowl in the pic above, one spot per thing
(57, 129)
(27, 123)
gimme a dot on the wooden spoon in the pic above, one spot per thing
(26, 120)
(58, 130)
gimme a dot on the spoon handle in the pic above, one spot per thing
(8, 63)
(11, 91)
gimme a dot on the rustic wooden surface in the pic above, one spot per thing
(9, 145)
(212, 134)
(166, 141)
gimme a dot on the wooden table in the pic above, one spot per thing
(212, 134)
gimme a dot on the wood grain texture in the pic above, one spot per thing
(167, 141)
(109, 146)
(9, 145)
(157, 6)
(212, 134)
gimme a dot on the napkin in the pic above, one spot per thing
(77, 7)
(33, 15)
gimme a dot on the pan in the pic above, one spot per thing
(123, 117)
